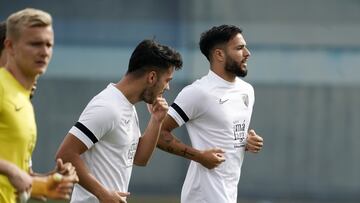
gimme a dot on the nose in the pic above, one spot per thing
(247, 52)
(167, 87)
(46, 51)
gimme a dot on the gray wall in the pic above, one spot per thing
(304, 67)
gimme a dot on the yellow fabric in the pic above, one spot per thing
(17, 129)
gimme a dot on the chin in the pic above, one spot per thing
(148, 101)
(41, 70)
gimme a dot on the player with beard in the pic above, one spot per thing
(216, 110)
(106, 140)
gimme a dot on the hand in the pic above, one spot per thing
(254, 142)
(20, 180)
(64, 169)
(158, 109)
(55, 186)
(212, 158)
(114, 197)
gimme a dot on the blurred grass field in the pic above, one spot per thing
(144, 199)
(172, 199)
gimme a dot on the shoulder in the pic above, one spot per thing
(244, 85)
(195, 91)
(99, 108)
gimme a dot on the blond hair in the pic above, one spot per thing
(26, 18)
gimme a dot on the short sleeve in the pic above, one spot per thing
(1, 97)
(187, 105)
(94, 122)
(252, 95)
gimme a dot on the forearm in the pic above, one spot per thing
(169, 143)
(147, 142)
(6, 167)
(86, 179)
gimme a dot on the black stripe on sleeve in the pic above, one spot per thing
(180, 112)
(86, 131)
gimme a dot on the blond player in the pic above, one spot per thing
(28, 46)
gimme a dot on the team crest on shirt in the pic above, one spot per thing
(245, 99)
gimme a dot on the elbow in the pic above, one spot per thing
(141, 160)
(164, 139)
(142, 163)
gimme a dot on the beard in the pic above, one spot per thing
(148, 96)
(235, 68)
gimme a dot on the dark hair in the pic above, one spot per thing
(215, 36)
(149, 54)
(2, 35)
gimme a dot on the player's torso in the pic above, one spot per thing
(225, 120)
(17, 126)
(123, 139)
(111, 158)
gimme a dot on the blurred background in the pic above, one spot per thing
(304, 68)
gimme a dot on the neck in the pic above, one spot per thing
(2, 60)
(131, 88)
(25, 80)
(221, 72)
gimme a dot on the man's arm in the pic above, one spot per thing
(168, 142)
(150, 137)
(18, 178)
(70, 151)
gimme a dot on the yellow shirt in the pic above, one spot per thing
(17, 129)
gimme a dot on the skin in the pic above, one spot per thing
(28, 56)
(148, 88)
(19, 179)
(228, 61)
(2, 59)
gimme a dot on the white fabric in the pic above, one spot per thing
(114, 122)
(219, 114)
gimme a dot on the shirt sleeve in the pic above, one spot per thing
(188, 105)
(94, 122)
(1, 97)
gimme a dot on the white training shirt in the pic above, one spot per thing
(216, 113)
(109, 128)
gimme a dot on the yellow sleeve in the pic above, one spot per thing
(1, 97)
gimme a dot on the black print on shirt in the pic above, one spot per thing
(131, 152)
(239, 134)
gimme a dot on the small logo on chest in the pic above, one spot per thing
(18, 108)
(221, 101)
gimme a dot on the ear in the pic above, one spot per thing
(9, 46)
(152, 77)
(219, 55)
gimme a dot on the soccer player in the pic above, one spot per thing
(216, 110)
(28, 46)
(3, 55)
(106, 140)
